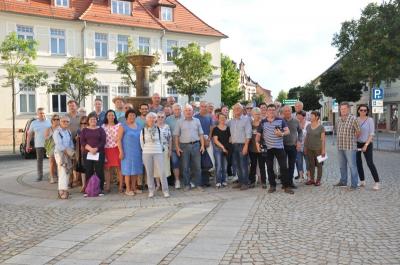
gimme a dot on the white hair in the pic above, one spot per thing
(176, 105)
(188, 106)
(151, 115)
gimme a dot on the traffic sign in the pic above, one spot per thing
(377, 93)
(377, 103)
(290, 102)
(335, 107)
(377, 110)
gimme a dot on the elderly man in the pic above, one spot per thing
(240, 128)
(98, 110)
(119, 103)
(170, 101)
(171, 121)
(37, 129)
(189, 144)
(292, 141)
(348, 131)
(74, 118)
(206, 124)
(155, 105)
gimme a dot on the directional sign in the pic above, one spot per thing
(289, 102)
(377, 110)
(377, 93)
(335, 107)
(377, 103)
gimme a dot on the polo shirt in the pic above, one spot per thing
(267, 131)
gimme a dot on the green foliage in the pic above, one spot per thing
(335, 84)
(193, 73)
(73, 79)
(230, 92)
(294, 93)
(369, 47)
(127, 70)
(282, 95)
(310, 97)
(258, 99)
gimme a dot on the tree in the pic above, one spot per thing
(127, 70)
(294, 93)
(369, 47)
(310, 97)
(73, 79)
(281, 96)
(230, 92)
(17, 56)
(258, 99)
(335, 84)
(194, 70)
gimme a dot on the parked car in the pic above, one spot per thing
(328, 126)
(22, 147)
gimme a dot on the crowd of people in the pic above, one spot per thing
(161, 146)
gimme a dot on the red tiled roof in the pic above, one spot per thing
(99, 11)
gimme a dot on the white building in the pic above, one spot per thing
(96, 30)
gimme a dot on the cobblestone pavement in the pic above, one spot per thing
(317, 225)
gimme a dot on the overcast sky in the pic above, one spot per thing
(283, 43)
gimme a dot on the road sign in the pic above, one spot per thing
(377, 93)
(289, 102)
(377, 110)
(335, 107)
(377, 103)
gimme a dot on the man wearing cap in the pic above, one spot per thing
(119, 103)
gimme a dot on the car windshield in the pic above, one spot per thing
(327, 123)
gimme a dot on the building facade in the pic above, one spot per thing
(96, 30)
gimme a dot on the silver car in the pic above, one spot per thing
(328, 126)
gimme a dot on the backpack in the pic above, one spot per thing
(93, 186)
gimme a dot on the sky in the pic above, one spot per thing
(283, 44)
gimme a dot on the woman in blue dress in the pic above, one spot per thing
(130, 152)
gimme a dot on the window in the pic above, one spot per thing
(57, 41)
(121, 7)
(27, 99)
(144, 45)
(25, 32)
(123, 91)
(102, 93)
(62, 3)
(166, 13)
(59, 103)
(101, 45)
(122, 43)
(172, 91)
(170, 51)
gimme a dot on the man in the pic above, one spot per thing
(38, 128)
(127, 107)
(143, 109)
(167, 111)
(273, 129)
(240, 128)
(74, 118)
(263, 108)
(210, 110)
(249, 108)
(348, 131)
(155, 105)
(98, 111)
(189, 144)
(292, 141)
(171, 121)
(170, 101)
(225, 111)
(119, 103)
(206, 124)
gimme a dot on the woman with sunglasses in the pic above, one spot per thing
(80, 169)
(49, 146)
(167, 147)
(364, 145)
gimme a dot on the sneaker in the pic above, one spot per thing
(192, 185)
(85, 195)
(101, 194)
(352, 188)
(224, 184)
(271, 189)
(166, 194)
(339, 184)
(151, 194)
(177, 184)
(362, 183)
(376, 186)
(218, 185)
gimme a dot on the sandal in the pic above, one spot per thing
(129, 193)
(310, 182)
(60, 193)
(318, 183)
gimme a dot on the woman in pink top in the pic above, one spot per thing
(111, 127)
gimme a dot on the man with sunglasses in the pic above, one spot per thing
(37, 129)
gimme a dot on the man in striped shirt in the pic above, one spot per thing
(273, 129)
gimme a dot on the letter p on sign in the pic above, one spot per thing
(377, 93)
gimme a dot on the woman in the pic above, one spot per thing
(49, 145)
(301, 158)
(255, 154)
(221, 137)
(166, 137)
(93, 140)
(63, 153)
(80, 168)
(364, 145)
(130, 152)
(111, 127)
(314, 146)
(152, 148)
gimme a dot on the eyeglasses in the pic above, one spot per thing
(160, 117)
(65, 121)
(249, 108)
(363, 110)
(83, 122)
(55, 119)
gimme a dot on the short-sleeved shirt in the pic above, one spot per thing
(140, 121)
(165, 134)
(222, 135)
(240, 130)
(119, 114)
(100, 117)
(267, 131)
(156, 109)
(346, 133)
(206, 123)
(188, 130)
(296, 133)
(111, 135)
(367, 129)
(39, 128)
(171, 121)
(253, 146)
(314, 141)
(74, 124)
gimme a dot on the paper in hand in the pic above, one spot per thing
(94, 157)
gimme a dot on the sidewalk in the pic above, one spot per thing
(6, 153)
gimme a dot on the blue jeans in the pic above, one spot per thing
(242, 164)
(348, 157)
(291, 154)
(191, 163)
(220, 165)
(300, 162)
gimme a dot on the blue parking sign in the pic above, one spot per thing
(377, 93)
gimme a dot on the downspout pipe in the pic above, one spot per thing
(161, 63)
(83, 41)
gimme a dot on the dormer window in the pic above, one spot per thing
(62, 3)
(166, 13)
(121, 7)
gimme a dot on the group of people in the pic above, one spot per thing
(159, 146)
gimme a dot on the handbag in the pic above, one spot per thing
(93, 186)
(206, 162)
